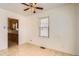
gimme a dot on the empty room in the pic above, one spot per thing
(39, 29)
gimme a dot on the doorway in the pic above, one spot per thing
(13, 32)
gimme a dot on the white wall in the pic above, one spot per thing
(62, 29)
(77, 30)
(3, 32)
(4, 23)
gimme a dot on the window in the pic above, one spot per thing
(44, 27)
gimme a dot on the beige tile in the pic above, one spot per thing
(30, 50)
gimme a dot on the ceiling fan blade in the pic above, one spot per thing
(25, 4)
(34, 11)
(35, 3)
(39, 8)
(26, 9)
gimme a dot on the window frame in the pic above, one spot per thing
(43, 27)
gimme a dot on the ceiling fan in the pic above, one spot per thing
(32, 6)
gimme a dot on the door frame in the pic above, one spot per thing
(7, 29)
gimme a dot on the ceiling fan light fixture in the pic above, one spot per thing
(32, 6)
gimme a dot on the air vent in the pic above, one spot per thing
(42, 47)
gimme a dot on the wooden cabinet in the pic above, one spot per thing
(12, 24)
(13, 37)
(12, 31)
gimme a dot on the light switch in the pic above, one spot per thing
(4, 27)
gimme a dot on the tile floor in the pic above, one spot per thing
(30, 50)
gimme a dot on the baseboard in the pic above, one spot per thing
(51, 49)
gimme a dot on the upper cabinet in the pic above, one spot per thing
(12, 24)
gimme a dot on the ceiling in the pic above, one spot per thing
(19, 8)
